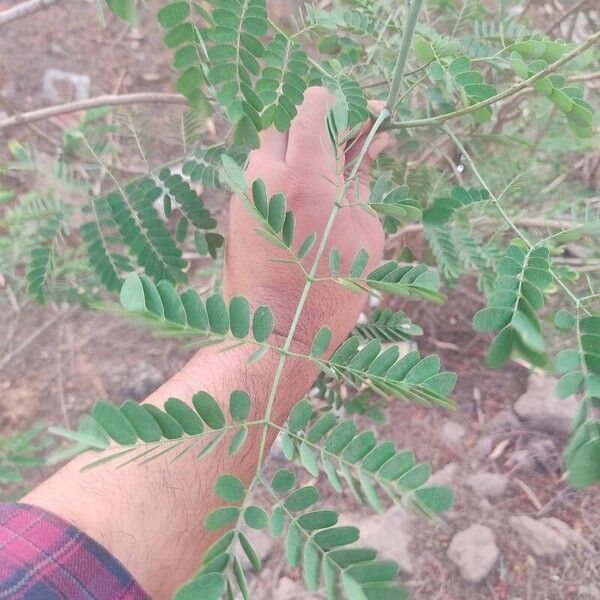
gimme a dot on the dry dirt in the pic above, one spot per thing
(81, 356)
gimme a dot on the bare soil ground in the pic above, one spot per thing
(55, 375)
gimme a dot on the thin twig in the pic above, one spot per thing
(24, 9)
(561, 18)
(98, 101)
(8, 357)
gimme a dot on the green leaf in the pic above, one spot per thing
(173, 14)
(277, 521)
(564, 320)
(221, 517)
(114, 423)
(170, 428)
(250, 552)
(492, 319)
(359, 264)
(437, 499)
(277, 212)
(255, 517)
(299, 415)
(500, 350)
(210, 586)
(238, 440)
(415, 477)
(146, 427)
(302, 498)
(209, 410)
(218, 315)
(584, 465)
(293, 545)
(124, 9)
(239, 317)
(234, 175)
(334, 537)
(184, 415)
(239, 405)
(334, 262)
(311, 564)
(283, 481)
(132, 294)
(307, 245)
(262, 323)
(309, 460)
(229, 488)
(321, 341)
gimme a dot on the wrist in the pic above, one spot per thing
(219, 372)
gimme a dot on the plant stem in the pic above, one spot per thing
(24, 9)
(439, 119)
(504, 214)
(309, 282)
(410, 24)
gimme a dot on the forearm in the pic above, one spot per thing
(149, 516)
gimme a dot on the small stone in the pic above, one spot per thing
(387, 532)
(541, 409)
(453, 432)
(54, 82)
(566, 531)
(445, 475)
(143, 379)
(288, 588)
(543, 540)
(520, 459)
(503, 421)
(482, 449)
(588, 592)
(56, 49)
(474, 552)
(544, 452)
(487, 485)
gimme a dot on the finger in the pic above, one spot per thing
(309, 148)
(273, 146)
(273, 143)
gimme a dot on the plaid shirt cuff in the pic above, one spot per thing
(43, 557)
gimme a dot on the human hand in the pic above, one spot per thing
(302, 165)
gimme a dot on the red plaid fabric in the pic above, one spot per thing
(42, 557)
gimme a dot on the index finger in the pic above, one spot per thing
(309, 148)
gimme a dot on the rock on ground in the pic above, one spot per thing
(140, 380)
(56, 79)
(445, 476)
(487, 485)
(502, 421)
(474, 552)
(387, 532)
(453, 432)
(588, 592)
(541, 409)
(543, 540)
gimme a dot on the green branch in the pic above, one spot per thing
(439, 119)
(412, 16)
(309, 282)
